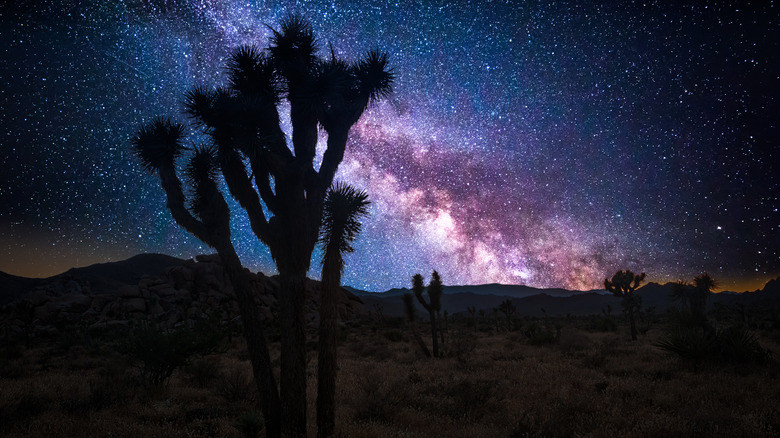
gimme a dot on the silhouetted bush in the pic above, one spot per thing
(540, 335)
(161, 352)
(733, 345)
(602, 323)
(235, 385)
(737, 344)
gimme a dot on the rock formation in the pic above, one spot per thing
(183, 293)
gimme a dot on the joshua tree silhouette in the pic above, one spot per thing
(248, 147)
(343, 208)
(508, 309)
(695, 296)
(433, 305)
(410, 315)
(622, 285)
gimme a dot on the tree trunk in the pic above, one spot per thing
(631, 321)
(420, 341)
(327, 355)
(293, 361)
(432, 314)
(256, 343)
(441, 327)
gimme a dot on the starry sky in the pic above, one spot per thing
(539, 143)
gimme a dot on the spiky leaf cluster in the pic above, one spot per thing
(343, 208)
(158, 143)
(200, 173)
(294, 47)
(374, 79)
(252, 73)
(435, 290)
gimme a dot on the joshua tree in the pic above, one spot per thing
(265, 175)
(433, 305)
(343, 208)
(410, 314)
(703, 285)
(695, 295)
(508, 309)
(622, 285)
(472, 311)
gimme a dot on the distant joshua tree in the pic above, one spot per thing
(343, 208)
(623, 284)
(433, 305)
(274, 181)
(410, 315)
(695, 296)
(508, 309)
(472, 314)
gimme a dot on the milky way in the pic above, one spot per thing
(541, 144)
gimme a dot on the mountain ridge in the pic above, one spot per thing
(107, 277)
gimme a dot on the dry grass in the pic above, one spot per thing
(490, 384)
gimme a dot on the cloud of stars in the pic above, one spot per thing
(548, 144)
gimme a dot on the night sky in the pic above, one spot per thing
(539, 143)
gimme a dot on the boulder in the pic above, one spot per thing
(129, 291)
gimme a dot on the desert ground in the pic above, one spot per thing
(551, 377)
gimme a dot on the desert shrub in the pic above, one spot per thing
(161, 352)
(733, 345)
(689, 343)
(461, 345)
(377, 399)
(11, 350)
(394, 336)
(27, 406)
(378, 349)
(250, 424)
(539, 335)
(737, 344)
(473, 399)
(201, 371)
(109, 386)
(235, 385)
(572, 341)
(602, 323)
(12, 369)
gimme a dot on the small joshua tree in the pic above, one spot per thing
(410, 315)
(703, 285)
(695, 297)
(508, 309)
(433, 306)
(622, 285)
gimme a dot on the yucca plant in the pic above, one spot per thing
(343, 209)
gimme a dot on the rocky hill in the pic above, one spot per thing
(154, 287)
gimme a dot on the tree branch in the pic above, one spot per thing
(175, 203)
(240, 187)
